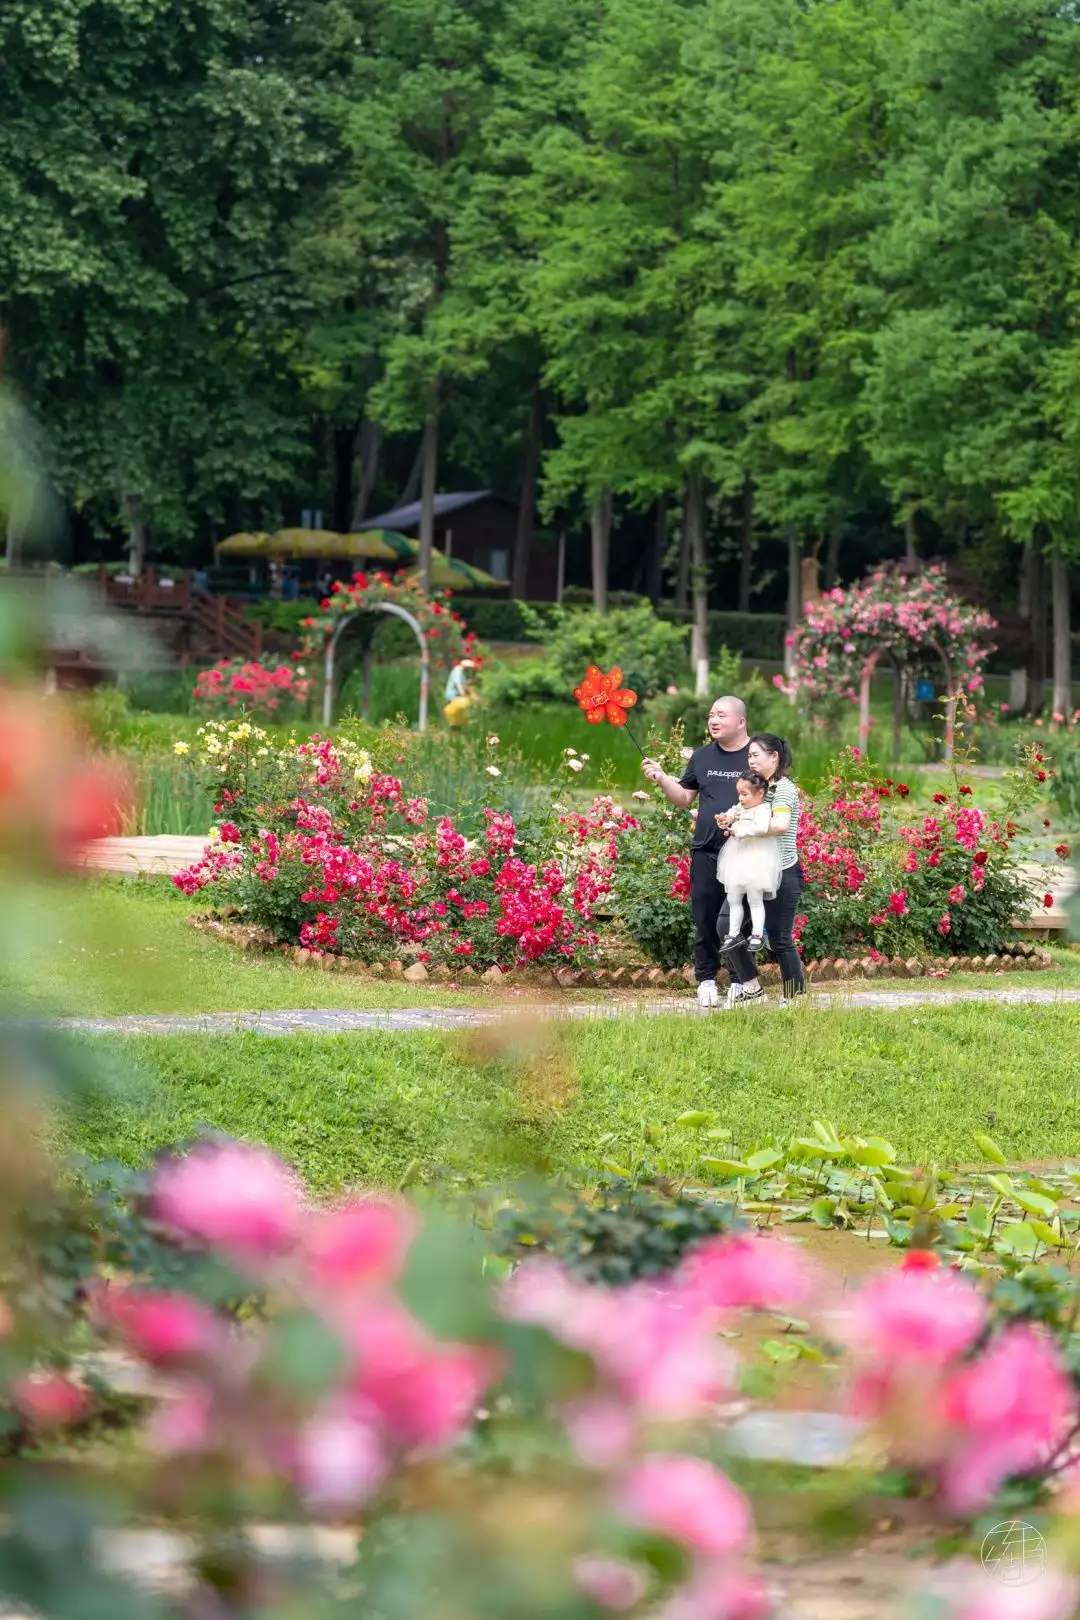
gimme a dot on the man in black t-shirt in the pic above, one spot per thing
(710, 775)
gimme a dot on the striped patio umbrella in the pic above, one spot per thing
(243, 545)
(450, 573)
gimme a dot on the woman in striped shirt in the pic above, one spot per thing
(770, 757)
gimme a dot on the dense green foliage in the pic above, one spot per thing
(805, 274)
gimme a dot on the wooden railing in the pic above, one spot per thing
(233, 636)
(217, 622)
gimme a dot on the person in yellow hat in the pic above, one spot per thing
(459, 699)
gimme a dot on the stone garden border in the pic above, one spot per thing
(1023, 958)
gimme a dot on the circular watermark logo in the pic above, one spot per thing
(1014, 1553)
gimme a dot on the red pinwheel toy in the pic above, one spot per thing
(602, 698)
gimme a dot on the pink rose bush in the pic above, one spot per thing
(956, 1396)
(339, 1395)
(329, 853)
(448, 637)
(912, 620)
(260, 686)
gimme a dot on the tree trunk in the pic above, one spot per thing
(342, 441)
(682, 577)
(794, 597)
(699, 579)
(911, 555)
(746, 547)
(601, 548)
(1059, 590)
(427, 495)
(412, 483)
(138, 535)
(367, 453)
(832, 549)
(654, 570)
(527, 509)
(897, 711)
(1019, 673)
(1037, 615)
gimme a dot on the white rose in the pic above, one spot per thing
(493, 742)
(575, 765)
(493, 770)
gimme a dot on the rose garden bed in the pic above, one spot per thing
(1023, 957)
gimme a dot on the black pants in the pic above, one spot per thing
(779, 921)
(707, 901)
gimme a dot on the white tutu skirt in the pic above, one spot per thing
(750, 863)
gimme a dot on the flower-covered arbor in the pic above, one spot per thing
(915, 622)
(439, 629)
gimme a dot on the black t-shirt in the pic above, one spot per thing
(713, 771)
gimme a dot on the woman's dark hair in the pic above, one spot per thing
(755, 780)
(773, 745)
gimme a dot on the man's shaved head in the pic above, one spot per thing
(727, 722)
(735, 705)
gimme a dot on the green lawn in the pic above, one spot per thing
(352, 1110)
(113, 946)
(118, 946)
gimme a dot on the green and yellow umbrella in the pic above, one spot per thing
(372, 545)
(450, 573)
(243, 545)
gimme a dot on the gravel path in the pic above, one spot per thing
(341, 1021)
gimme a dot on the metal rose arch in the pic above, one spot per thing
(439, 630)
(917, 623)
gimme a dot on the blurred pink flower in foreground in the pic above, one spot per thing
(967, 1591)
(238, 1198)
(689, 1501)
(610, 1582)
(362, 1242)
(48, 1399)
(652, 1342)
(421, 1391)
(339, 1461)
(719, 1592)
(164, 1327)
(1012, 1406)
(912, 1316)
(748, 1273)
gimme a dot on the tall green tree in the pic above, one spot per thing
(149, 159)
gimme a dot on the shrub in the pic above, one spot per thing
(652, 887)
(881, 879)
(285, 617)
(621, 1231)
(263, 686)
(324, 850)
(650, 653)
(500, 619)
(754, 635)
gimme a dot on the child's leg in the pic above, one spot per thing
(735, 909)
(755, 899)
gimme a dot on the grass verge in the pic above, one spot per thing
(374, 1109)
(114, 946)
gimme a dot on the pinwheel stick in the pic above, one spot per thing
(602, 697)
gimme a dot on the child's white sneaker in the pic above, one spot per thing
(739, 996)
(707, 994)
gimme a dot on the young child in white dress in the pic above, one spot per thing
(749, 863)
